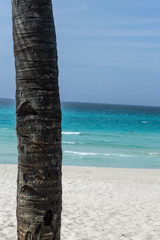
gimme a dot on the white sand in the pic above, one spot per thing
(98, 204)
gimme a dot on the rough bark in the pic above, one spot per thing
(38, 118)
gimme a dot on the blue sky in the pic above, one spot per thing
(109, 51)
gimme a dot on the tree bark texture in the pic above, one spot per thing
(38, 116)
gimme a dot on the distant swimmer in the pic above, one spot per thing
(130, 131)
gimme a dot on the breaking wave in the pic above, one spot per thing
(97, 154)
(71, 133)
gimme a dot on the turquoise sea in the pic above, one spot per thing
(100, 135)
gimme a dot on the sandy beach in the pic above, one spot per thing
(98, 203)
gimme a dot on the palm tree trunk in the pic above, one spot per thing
(38, 115)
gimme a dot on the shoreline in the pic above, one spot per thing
(98, 203)
(97, 167)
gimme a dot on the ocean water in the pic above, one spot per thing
(96, 135)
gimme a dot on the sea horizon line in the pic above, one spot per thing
(96, 103)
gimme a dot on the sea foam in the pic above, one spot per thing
(97, 154)
(71, 133)
(69, 142)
